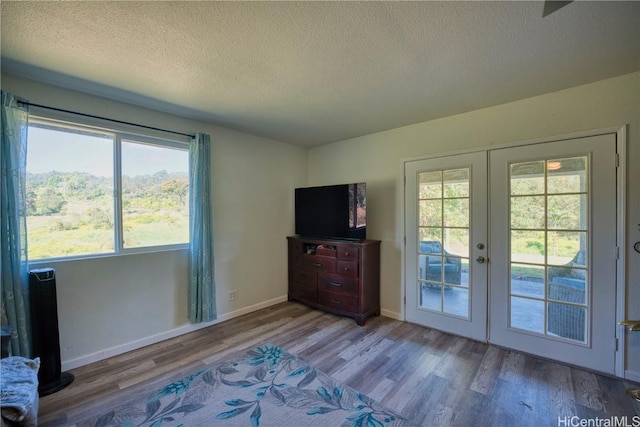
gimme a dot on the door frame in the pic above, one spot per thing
(620, 343)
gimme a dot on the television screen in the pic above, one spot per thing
(332, 211)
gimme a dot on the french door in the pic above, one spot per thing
(534, 269)
(446, 217)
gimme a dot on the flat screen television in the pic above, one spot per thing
(332, 211)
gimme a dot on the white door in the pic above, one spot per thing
(446, 220)
(553, 250)
(544, 277)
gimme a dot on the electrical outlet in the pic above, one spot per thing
(233, 295)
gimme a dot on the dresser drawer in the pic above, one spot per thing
(295, 246)
(295, 259)
(348, 253)
(295, 252)
(339, 301)
(303, 277)
(347, 268)
(339, 284)
(319, 263)
(303, 294)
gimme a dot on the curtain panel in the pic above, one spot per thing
(15, 305)
(202, 298)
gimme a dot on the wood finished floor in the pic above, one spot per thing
(434, 378)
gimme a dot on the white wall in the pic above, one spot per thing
(110, 305)
(377, 159)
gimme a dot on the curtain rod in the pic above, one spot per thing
(104, 118)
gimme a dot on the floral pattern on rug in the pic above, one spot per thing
(266, 387)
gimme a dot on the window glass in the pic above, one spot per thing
(74, 181)
(70, 190)
(155, 195)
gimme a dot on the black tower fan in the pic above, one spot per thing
(44, 325)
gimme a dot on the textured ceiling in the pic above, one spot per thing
(311, 73)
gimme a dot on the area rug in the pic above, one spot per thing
(265, 387)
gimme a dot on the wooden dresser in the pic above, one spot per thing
(338, 276)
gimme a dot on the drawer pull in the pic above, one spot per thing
(346, 269)
(335, 301)
(347, 254)
(317, 264)
(337, 285)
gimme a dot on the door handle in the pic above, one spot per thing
(634, 325)
(481, 260)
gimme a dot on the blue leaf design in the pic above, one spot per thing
(152, 407)
(324, 394)
(357, 417)
(337, 393)
(269, 353)
(105, 420)
(372, 422)
(320, 410)
(308, 379)
(298, 372)
(227, 370)
(232, 413)
(237, 402)
(156, 423)
(255, 416)
(171, 405)
(274, 392)
(209, 378)
(176, 388)
(260, 374)
(242, 383)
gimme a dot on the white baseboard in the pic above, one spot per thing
(391, 314)
(153, 339)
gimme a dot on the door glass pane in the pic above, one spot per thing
(456, 301)
(456, 212)
(527, 246)
(429, 234)
(527, 314)
(567, 321)
(566, 211)
(527, 178)
(527, 280)
(456, 241)
(430, 213)
(548, 247)
(430, 185)
(456, 183)
(443, 248)
(527, 212)
(567, 175)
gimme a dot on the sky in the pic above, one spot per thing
(49, 150)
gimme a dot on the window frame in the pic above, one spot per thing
(120, 133)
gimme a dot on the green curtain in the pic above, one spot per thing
(202, 296)
(15, 309)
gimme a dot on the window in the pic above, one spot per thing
(94, 191)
